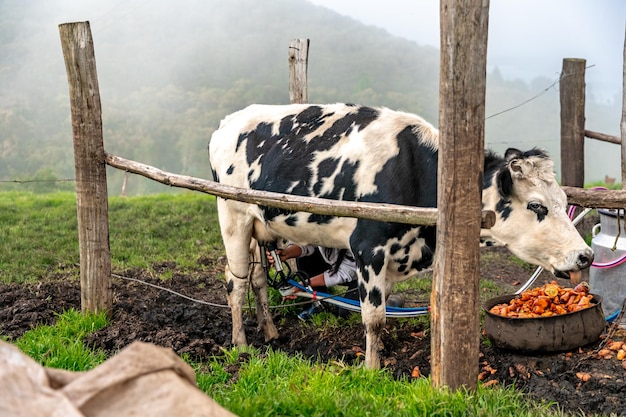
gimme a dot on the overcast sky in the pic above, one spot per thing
(527, 38)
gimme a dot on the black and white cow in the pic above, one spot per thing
(356, 153)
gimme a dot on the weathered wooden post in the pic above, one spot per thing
(455, 300)
(623, 122)
(89, 160)
(572, 98)
(298, 61)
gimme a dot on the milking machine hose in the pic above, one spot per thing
(353, 305)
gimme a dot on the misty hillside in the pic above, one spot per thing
(168, 72)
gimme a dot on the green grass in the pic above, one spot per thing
(276, 384)
(39, 233)
(163, 228)
(61, 345)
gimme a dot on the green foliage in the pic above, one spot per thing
(61, 345)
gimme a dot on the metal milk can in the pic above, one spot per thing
(607, 276)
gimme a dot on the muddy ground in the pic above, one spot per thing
(149, 314)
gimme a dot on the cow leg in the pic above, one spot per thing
(237, 288)
(373, 315)
(236, 228)
(259, 287)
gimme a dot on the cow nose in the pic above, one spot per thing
(585, 259)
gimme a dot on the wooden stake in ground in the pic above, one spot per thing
(572, 97)
(623, 121)
(91, 184)
(455, 298)
(298, 64)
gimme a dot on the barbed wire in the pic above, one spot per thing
(536, 96)
(31, 181)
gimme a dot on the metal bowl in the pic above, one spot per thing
(556, 333)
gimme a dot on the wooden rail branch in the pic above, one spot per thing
(603, 137)
(371, 211)
(585, 197)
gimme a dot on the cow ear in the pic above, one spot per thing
(504, 182)
(515, 165)
(512, 153)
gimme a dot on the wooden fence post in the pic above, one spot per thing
(89, 160)
(455, 301)
(623, 121)
(298, 61)
(572, 97)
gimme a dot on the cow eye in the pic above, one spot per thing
(539, 209)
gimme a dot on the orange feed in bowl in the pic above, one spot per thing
(545, 301)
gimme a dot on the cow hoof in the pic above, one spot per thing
(395, 300)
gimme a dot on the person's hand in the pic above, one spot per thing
(291, 251)
(279, 252)
(289, 293)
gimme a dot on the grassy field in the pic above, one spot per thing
(39, 232)
(38, 238)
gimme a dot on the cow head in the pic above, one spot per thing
(531, 218)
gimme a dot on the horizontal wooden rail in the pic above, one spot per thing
(586, 197)
(603, 137)
(364, 210)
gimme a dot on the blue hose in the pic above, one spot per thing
(353, 305)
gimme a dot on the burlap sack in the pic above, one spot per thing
(142, 380)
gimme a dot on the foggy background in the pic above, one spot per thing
(169, 71)
(527, 38)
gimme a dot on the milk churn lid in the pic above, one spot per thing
(611, 212)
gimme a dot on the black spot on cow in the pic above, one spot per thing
(359, 120)
(310, 115)
(407, 248)
(426, 259)
(504, 182)
(394, 248)
(344, 187)
(394, 185)
(229, 286)
(270, 213)
(362, 292)
(325, 169)
(365, 273)
(403, 263)
(377, 261)
(504, 208)
(230, 170)
(319, 219)
(375, 297)
(291, 220)
(285, 127)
